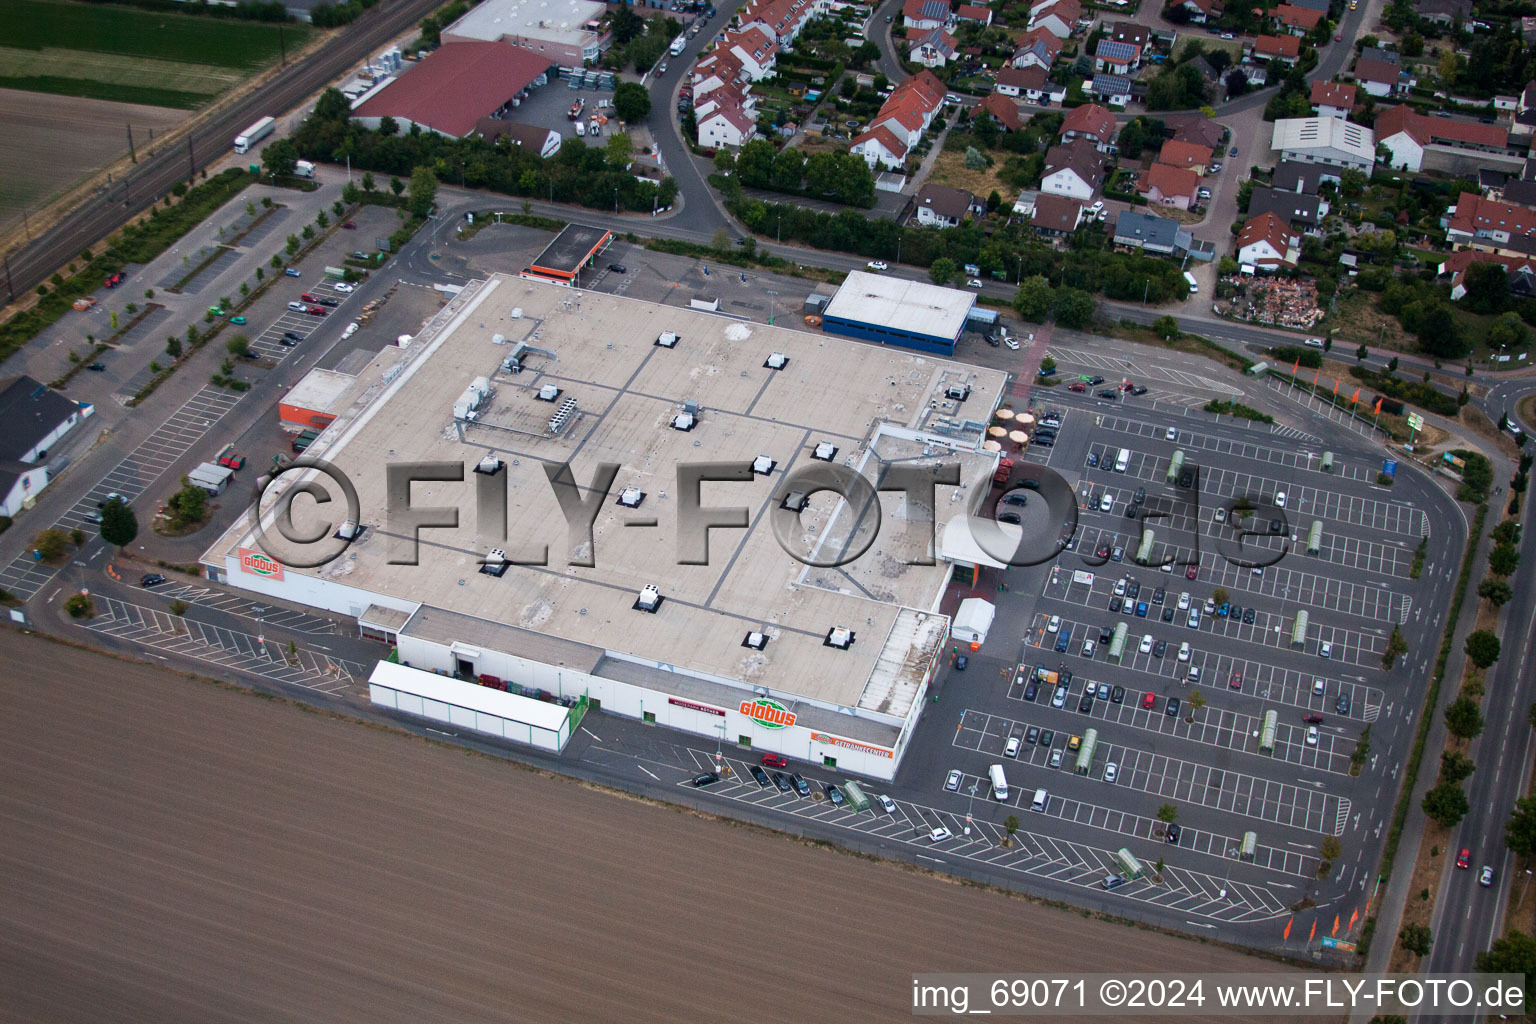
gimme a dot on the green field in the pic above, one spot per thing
(102, 28)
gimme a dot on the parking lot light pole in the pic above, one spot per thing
(968, 805)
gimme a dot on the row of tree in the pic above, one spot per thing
(844, 177)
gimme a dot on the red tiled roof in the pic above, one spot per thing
(1474, 213)
(1170, 181)
(1266, 228)
(456, 85)
(1298, 17)
(887, 139)
(1056, 213)
(1277, 46)
(1032, 77)
(1069, 11)
(1184, 154)
(1379, 71)
(972, 12)
(1333, 94)
(1425, 130)
(1090, 119)
(1002, 108)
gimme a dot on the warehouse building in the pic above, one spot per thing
(720, 632)
(567, 32)
(454, 88)
(890, 311)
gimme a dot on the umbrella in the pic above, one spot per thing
(1018, 436)
(997, 431)
(1005, 414)
(1024, 419)
(992, 446)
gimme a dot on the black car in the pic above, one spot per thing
(1342, 704)
(1107, 395)
(1095, 381)
(1117, 695)
(1032, 735)
(1043, 442)
(834, 794)
(1086, 704)
(1093, 460)
(1172, 710)
(1114, 603)
(1048, 738)
(707, 779)
(801, 786)
(1011, 518)
(1130, 511)
(1159, 648)
(1276, 526)
(618, 268)
(98, 367)
(1104, 634)
(782, 782)
(1248, 616)
(1168, 613)
(1133, 589)
(286, 341)
(1173, 834)
(1140, 495)
(1030, 482)
(151, 580)
(760, 775)
(1016, 499)
(1158, 595)
(1032, 689)
(328, 302)
(1186, 479)
(1064, 677)
(1138, 390)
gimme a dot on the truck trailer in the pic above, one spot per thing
(254, 134)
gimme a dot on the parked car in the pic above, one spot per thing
(781, 782)
(292, 272)
(343, 287)
(97, 367)
(151, 580)
(230, 460)
(974, 282)
(952, 780)
(1172, 710)
(316, 311)
(297, 307)
(834, 794)
(707, 779)
(775, 761)
(1149, 700)
(1342, 704)
(1173, 834)
(760, 775)
(878, 265)
(1054, 624)
(801, 786)
(1111, 772)
(940, 834)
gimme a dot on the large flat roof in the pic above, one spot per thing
(456, 85)
(915, 306)
(877, 406)
(557, 21)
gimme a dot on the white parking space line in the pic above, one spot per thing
(1304, 398)
(1192, 440)
(1115, 369)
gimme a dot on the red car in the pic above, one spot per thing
(1191, 572)
(320, 311)
(114, 280)
(307, 297)
(232, 461)
(1237, 681)
(1464, 858)
(1313, 719)
(1149, 700)
(775, 761)
(350, 226)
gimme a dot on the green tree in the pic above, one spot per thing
(1507, 332)
(1503, 559)
(820, 173)
(1464, 718)
(1331, 848)
(1455, 766)
(118, 523)
(423, 191)
(631, 102)
(1167, 814)
(239, 346)
(1361, 353)
(188, 505)
(1074, 308)
(1487, 287)
(1514, 953)
(975, 159)
(1011, 825)
(1520, 830)
(1033, 299)
(51, 544)
(1397, 644)
(1483, 648)
(173, 347)
(292, 245)
(942, 270)
(1496, 590)
(279, 158)
(368, 185)
(396, 186)
(1415, 938)
(754, 164)
(1166, 327)
(618, 149)
(1446, 803)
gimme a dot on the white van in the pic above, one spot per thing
(1194, 286)
(678, 45)
(1122, 460)
(581, 127)
(999, 782)
(1040, 800)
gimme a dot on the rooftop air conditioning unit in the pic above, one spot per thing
(498, 339)
(959, 392)
(649, 600)
(631, 497)
(840, 637)
(763, 465)
(777, 361)
(490, 465)
(794, 501)
(517, 312)
(667, 339)
(548, 393)
(826, 451)
(683, 421)
(755, 640)
(349, 530)
(495, 563)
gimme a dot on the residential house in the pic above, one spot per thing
(1518, 192)
(1039, 48)
(724, 121)
(33, 419)
(1116, 58)
(1325, 140)
(1074, 169)
(1169, 186)
(901, 122)
(1266, 243)
(1002, 110)
(1409, 134)
(1196, 128)
(1499, 228)
(1202, 11)
(1056, 215)
(1187, 155)
(1444, 12)
(1059, 17)
(1312, 5)
(1296, 176)
(1295, 208)
(534, 138)
(1012, 81)
(880, 148)
(1286, 49)
(1297, 21)
(1143, 231)
(974, 12)
(717, 69)
(1132, 33)
(933, 48)
(1333, 99)
(1091, 122)
(1525, 112)
(1112, 89)
(754, 48)
(1519, 272)
(1378, 77)
(943, 207)
(781, 19)
(925, 14)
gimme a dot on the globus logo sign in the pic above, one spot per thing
(769, 713)
(259, 564)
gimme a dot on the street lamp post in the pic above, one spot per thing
(969, 804)
(771, 294)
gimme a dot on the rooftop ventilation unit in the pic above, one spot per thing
(512, 364)
(495, 563)
(563, 416)
(650, 599)
(959, 392)
(755, 640)
(668, 339)
(840, 637)
(498, 339)
(548, 393)
(777, 361)
(631, 497)
(350, 529)
(826, 451)
(794, 501)
(490, 465)
(763, 465)
(684, 421)
(517, 312)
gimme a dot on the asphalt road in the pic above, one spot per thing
(152, 177)
(175, 851)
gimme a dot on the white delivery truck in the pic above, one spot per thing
(1194, 286)
(254, 134)
(677, 45)
(303, 169)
